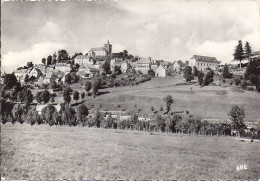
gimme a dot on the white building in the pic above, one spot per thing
(160, 72)
(203, 62)
(83, 60)
(101, 51)
(63, 67)
(143, 65)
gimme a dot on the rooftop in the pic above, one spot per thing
(205, 58)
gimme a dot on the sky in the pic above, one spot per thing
(168, 30)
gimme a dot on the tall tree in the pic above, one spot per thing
(239, 52)
(248, 50)
(82, 112)
(237, 114)
(95, 86)
(82, 95)
(50, 114)
(88, 86)
(168, 102)
(44, 61)
(49, 60)
(187, 73)
(66, 96)
(200, 78)
(45, 96)
(26, 79)
(76, 96)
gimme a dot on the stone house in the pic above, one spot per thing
(160, 72)
(203, 62)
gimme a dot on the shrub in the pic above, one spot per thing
(208, 78)
(237, 81)
(226, 73)
(187, 73)
(250, 89)
(200, 78)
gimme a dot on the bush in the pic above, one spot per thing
(208, 78)
(187, 73)
(250, 89)
(237, 81)
(226, 73)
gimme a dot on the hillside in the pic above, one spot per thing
(206, 102)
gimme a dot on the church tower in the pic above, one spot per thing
(108, 47)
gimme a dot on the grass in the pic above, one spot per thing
(206, 102)
(44, 152)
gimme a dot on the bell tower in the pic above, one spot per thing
(108, 47)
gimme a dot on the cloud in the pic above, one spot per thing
(13, 60)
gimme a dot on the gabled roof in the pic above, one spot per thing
(82, 56)
(205, 58)
(97, 49)
(142, 60)
(255, 53)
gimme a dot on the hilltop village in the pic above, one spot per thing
(48, 89)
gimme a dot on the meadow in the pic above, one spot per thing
(206, 102)
(62, 152)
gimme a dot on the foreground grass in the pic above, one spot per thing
(43, 152)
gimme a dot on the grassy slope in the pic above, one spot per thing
(74, 153)
(207, 102)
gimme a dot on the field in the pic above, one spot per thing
(207, 102)
(44, 152)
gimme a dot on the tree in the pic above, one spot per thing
(239, 52)
(68, 116)
(76, 96)
(44, 61)
(52, 100)
(62, 55)
(151, 73)
(108, 122)
(39, 97)
(248, 50)
(106, 67)
(226, 73)
(95, 86)
(10, 81)
(49, 60)
(187, 73)
(82, 95)
(82, 112)
(195, 71)
(31, 117)
(200, 78)
(26, 79)
(208, 78)
(50, 114)
(17, 112)
(66, 96)
(45, 96)
(29, 64)
(253, 70)
(168, 101)
(68, 79)
(88, 86)
(237, 114)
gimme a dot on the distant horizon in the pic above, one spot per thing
(162, 30)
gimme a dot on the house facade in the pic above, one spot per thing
(160, 72)
(83, 60)
(143, 65)
(115, 62)
(63, 67)
(125, 67)
(203, 62)
(35, 72)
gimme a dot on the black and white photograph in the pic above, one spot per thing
(130, 90)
